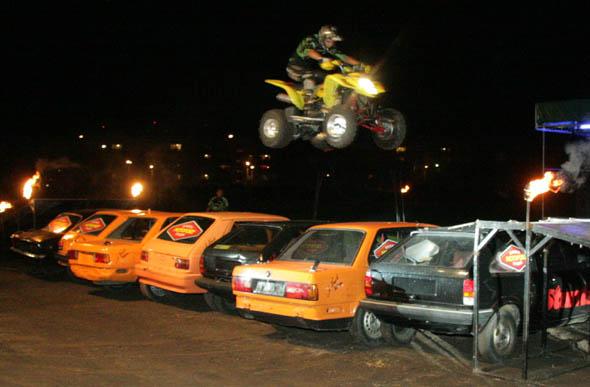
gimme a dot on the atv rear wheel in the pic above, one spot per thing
(340, 127)
(274, 130)
(394, 124)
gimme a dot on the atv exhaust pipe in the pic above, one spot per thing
(284, 98)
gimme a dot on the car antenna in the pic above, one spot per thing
(314, 267)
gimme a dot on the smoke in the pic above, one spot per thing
(43, 165)
(576, 168)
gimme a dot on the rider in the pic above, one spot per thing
(311, 51)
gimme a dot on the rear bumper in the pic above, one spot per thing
(29, 254)
(341, 324)
(221, 288)
(178, 283)
(62, 260)
(104, 275)
(454, 319)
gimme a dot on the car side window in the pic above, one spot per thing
(385, 239)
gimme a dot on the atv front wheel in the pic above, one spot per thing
(394, 134)
(340, 127)
(274, 130)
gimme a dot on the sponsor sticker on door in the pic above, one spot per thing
(185, 230)
(512, 258)
(92, 225)
(384, 247)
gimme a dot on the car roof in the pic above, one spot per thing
(371, 226)
(139, 213)
(228, 215)
(283, 223)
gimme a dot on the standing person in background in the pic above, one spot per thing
(218, 202)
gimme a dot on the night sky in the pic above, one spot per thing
(465, 78)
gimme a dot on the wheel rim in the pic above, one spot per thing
(371, 326)
(157, 291)
(336, 125)
(502, 337)
(271, 128)
(388, 130)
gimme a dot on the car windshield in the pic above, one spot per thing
(187, 229)
(247, 238)
(133, 229)
(446, 250)
(327, 246)
(62, 223)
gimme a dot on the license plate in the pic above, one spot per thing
(270, 288)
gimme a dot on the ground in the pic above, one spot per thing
(57, 332)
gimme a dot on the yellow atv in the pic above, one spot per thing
(346, 100)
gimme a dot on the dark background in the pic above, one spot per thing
(148, 74)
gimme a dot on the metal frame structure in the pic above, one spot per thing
(541, 228)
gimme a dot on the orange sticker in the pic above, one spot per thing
(185, 230)
(513, 258)
(383, 247)
(92, 225)
(59, 224)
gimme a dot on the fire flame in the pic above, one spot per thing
(136, 189)
(30, 184)
(405, 189)
(549, 182)
(4, 206)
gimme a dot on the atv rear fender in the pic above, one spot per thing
(296, 98)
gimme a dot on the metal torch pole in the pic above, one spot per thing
(527, 293)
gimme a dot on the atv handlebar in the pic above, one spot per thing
(344, 67)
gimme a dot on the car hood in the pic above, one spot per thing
(36, 236)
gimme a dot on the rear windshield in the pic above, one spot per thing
(95, 224)
(186, 229)
(453, 251)
(247, 238)
(327, 246)
(133, 229)
(62, 223)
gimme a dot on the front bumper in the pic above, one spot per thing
(420, 315)
(29, 254)
(174, 282)
(104, 275)
(221, 288)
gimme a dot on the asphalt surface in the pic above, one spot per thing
(57, 332)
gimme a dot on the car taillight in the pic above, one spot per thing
(202, 265)
(60, 244)
(301, 291)
(180, 263)
(145, 256)
(102, 258)
(72, 254)
(368, 284)
(242, 284)
(468, 292)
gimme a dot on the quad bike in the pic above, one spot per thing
(346, 100)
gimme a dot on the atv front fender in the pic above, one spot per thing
(296, 98)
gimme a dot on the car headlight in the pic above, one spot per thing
(367, 86)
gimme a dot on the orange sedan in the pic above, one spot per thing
(318, 281)
(170, 261)
(111, 261)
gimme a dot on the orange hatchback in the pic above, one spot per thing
(170, 261)
(318, 281)
(111, 261)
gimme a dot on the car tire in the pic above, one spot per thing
(116, 288)
(395, 125)
(210, 301)
(366, 328)
(274, 129)
(498, 338)
(340, 127)
(154, 293)
(223, 305)
(397, 335)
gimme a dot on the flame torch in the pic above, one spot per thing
(549, 182)
(136, 190)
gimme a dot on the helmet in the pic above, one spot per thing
(329, 32)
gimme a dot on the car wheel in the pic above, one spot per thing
(210, 301)
(154, 293)
(498, 339)
(116, 288)
(366, 328)
(223, 305)
(274, 130)
(340, 127)
(394, 135)
(396, 335)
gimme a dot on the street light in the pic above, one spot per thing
(404, 190)
(230, 136)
